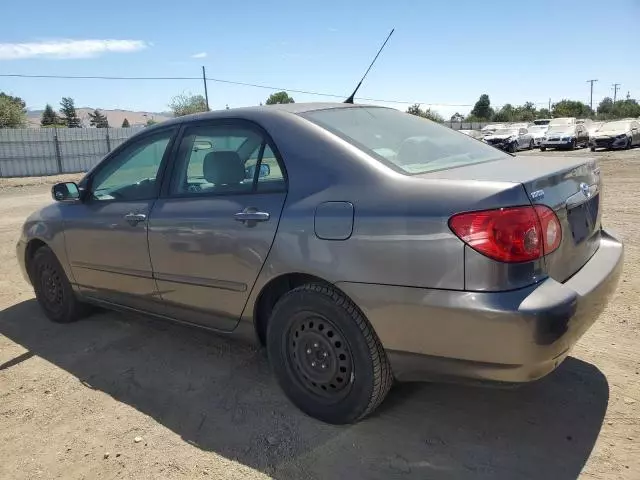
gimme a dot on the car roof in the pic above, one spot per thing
(248, 112)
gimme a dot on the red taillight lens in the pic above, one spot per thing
(516, 234)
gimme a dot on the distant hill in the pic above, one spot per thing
(115, 117)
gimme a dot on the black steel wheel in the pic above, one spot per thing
(326, 356)
(321, 358)
(52, 288)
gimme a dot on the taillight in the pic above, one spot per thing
(515, 234)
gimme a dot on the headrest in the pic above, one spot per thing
(223, 168)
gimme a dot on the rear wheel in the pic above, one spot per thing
(573, 144)
(53, 290)
(532, 144)
(593, 149)
(326, 356)
(543, 149)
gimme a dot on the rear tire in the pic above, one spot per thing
(532, 144)
(593, 149)
(573, 144)
(326, 356)
(543, 149)
(53, 290)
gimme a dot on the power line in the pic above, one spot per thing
(245, 84)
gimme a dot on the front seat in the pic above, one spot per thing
(224, 170)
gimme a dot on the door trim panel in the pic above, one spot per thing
(130, 272)
(201, 282)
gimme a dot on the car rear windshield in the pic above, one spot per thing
(407, 143)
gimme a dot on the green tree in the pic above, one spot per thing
(49, 117)
(151, 122)
(456, 117)
(605, 108)
(428, 113)
(13, 113)
(571, 108)
(98, 119)
(525, 113)
(125, 123)
(543, 113)
(505, 114)
(187, 104)
(628, 108)
(279, 97)
(68, 111)
(482, 109)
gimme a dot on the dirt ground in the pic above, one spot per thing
(124, 397)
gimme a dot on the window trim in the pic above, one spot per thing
(86, 183)
(165, 188)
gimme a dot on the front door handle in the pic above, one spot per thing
(134, 219)
(250, 216)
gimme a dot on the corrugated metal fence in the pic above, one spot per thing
(49, 151)
(465, 125)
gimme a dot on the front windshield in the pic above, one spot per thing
(615, 126)
(404, 142)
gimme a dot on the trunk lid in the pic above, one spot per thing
(571, 186)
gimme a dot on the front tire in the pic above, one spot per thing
(53, 290)
(543, 149)
(629, 144)
(532, 144)
(593, 149)
(513, 148)
(326, 356)
(573, 144)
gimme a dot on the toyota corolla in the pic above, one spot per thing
(359, 244)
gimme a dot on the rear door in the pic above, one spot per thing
(635, 132)
(214, 224)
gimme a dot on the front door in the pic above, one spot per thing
(215, 221)
(106, 233)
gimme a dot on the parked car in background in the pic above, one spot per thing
(562, 121)
(538, 132)
(492, 127)
(477, 134)
(566, 136)
(618, 134)
(593, 127)
(511, 139)
(358, 244)
(542, 121)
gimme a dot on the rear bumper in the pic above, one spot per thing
(515, 336)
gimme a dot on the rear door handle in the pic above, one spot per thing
(134, 219)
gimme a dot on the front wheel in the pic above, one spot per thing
(543, 149)
(532, 144)
(53, 290)
(593, 149)
(513, 148)
(326, 356)
(573, 144)
(629, 144)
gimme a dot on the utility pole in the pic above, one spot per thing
(616, 87)
(591, 101)
(206, 94)
(549, 105)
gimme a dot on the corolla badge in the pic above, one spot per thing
(584, 188)
(537, 195)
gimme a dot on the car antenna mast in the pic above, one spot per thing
(351, 97)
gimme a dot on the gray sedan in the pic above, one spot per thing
(358, 244)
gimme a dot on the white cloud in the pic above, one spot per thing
(68, 48)
(199, 55)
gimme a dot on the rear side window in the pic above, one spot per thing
(406, 143)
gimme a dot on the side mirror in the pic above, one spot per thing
(65, 192)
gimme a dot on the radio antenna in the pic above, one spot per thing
(351, 97)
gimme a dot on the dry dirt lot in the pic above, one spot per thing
(123, 397)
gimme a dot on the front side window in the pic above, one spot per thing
(404, 142)
(221, 159)
(132, 173)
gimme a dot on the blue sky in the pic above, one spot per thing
(444, 53)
